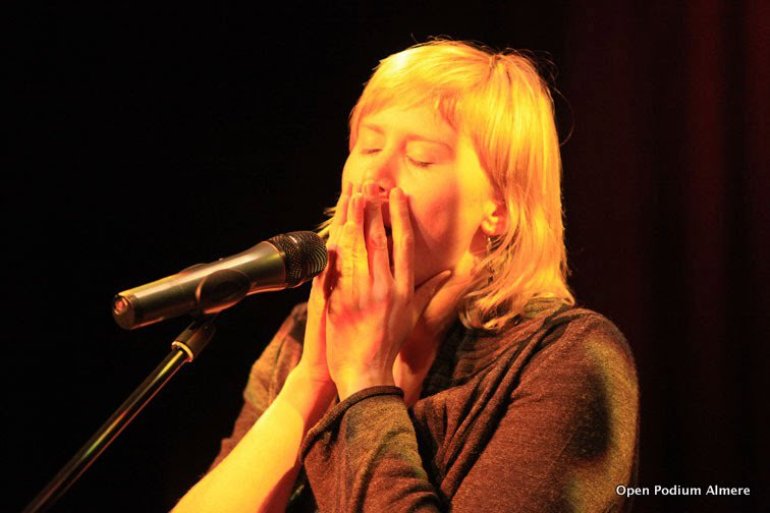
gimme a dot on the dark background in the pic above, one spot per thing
(146, 138)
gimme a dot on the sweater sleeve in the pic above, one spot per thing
(363, 456)
(560, 437)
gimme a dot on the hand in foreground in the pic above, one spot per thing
(312, 364)
(371, 310)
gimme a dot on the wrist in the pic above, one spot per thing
(311, 375)
(351, 382)
(308, 394)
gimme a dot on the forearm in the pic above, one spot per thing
(259, 473)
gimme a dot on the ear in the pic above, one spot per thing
(496, 217)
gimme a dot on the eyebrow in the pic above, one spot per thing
(410, 137)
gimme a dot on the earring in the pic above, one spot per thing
(490, 269)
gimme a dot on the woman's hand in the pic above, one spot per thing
(371, 309)
(312, 365)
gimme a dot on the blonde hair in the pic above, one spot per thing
(501, 102)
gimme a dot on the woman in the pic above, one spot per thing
(440, 362)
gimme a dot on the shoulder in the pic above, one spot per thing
(578, 333)
(279, 357)
(570, 350)
(288, 339)
(585, 364)
(579, 363)
(294, 325)
(581, 357)
(552, 329)
(548, 335)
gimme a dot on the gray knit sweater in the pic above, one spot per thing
(543, 417)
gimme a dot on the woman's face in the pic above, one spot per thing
(448, 192)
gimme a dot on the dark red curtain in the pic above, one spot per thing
(670, 109)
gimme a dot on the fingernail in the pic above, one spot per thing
(444, 277)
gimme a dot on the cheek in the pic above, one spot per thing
(433, 247)
(445, 220)
(432, 220)
(437, 222)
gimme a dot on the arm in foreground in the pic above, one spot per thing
(258, 465)
(260, 471)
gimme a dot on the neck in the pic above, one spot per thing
(419, 350)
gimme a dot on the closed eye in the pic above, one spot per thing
(419, 163)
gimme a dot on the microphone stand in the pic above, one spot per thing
(184, 349)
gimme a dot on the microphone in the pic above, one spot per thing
(284, 261)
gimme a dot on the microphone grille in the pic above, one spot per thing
(305, 255)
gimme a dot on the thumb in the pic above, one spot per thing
(427, 290)
(316, 290)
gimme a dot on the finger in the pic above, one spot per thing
(403, 242)
(376, 239)
(355, 190)
(316, 307)
(352, 250)
(427, 291)
(340, 212)
(360, 274)
(330, 275)
(317, 285)
(318, 296)
(314, 346)
(331, 271)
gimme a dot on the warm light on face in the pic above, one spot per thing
(503, 112)
(416, 150)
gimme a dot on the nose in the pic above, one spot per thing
(383, 171)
